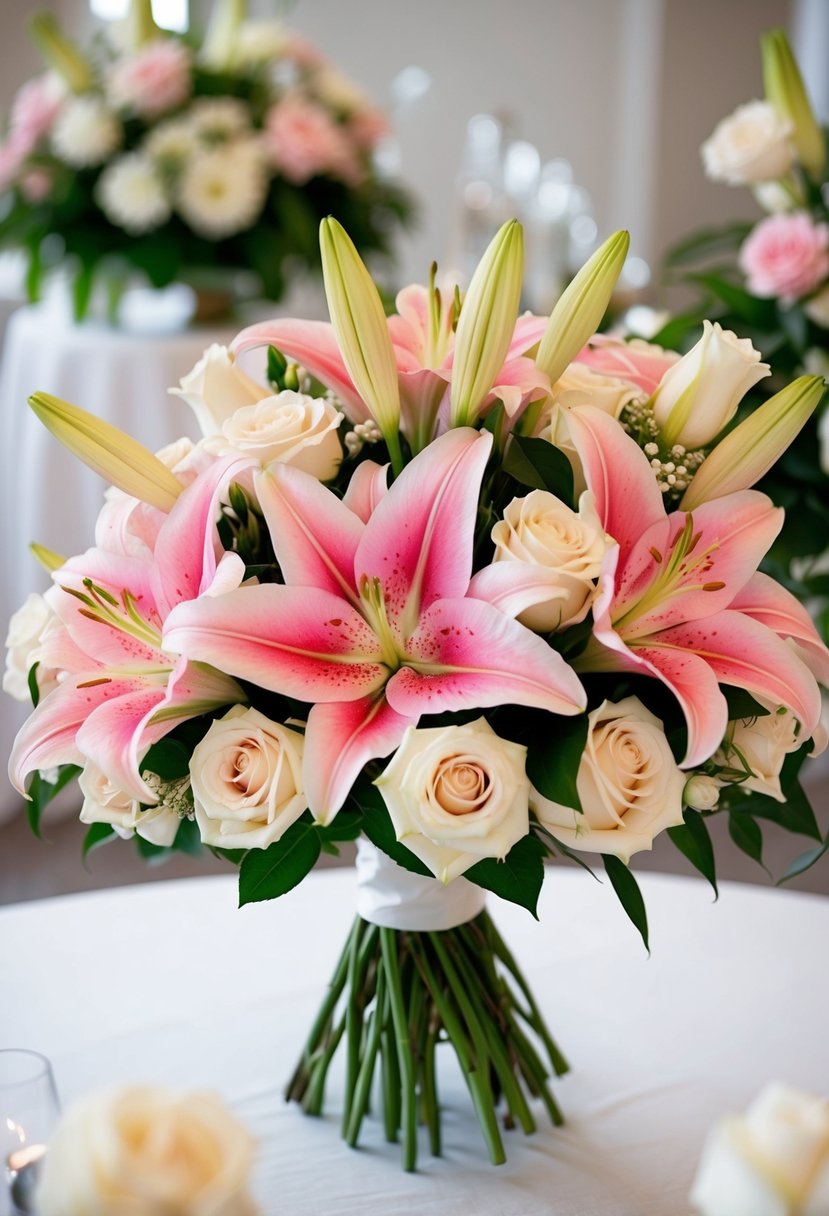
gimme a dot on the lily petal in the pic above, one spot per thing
(301, 641)
(528, 332)
(628, 499)
(369, 484)
(513, 586)
(112, 737)
(766, 601)
(418, 542)
(315, 535)
(467, 654)
(339, 740)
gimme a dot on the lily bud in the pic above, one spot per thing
(48, 559)
(749, 451)
(60, 53)
(219, 46)
(787, 93)
(579, 311)
(699, 395)
(116, 457)
(486, 323)
(701, 792)
(139, 24)
(362, 333)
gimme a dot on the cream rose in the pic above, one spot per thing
(565, 548)
(142, 1149)
(246, 777)
(27, 630)
(579, 385)
(699, 395)
(104, 802)
(288, 428)
(628, 782)
(702, 792)
(457, 794)
(773, 1161)
(763, 744)
(753, 144)
(216, 388)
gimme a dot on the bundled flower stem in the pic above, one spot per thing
(394, 996)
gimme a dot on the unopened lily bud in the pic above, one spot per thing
(48, 559)
(486, 323)
(787, 93)
(219, 46)
(60, 53)
(579, 311)
(701, 793)
(139, 24)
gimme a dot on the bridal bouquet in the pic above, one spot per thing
(154, 154)
(770, 280)
(472, 587)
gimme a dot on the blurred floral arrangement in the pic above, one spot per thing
(158, 154)
(769, 279)
(467, 586)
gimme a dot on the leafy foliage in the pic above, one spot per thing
(630, 897)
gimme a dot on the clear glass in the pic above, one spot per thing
(29, 1110)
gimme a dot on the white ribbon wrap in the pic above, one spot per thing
(395, 898)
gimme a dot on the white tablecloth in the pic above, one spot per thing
(171, 983)
(48, 495)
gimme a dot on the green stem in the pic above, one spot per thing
(431, 1106)
(353, 1023)
(362, 1089)
(321, 1022)
(391, 1077)
(389, 945)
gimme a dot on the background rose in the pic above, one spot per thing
(216, 388)
(773, 1161)
(153, 81)
(566, 548)
(104, 802)
(636, 362)
(246, 776)
(579, 384)
(27, 629)
(147, 1150)
(456, 794)
(763, 743)
(786, 257)
(628, 782)
(291, 428)
(303, 140)
(753, 144)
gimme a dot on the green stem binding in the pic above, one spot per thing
(394, 997)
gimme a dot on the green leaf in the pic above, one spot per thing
(269, 873)
(694, 842)
(34, 691)
(42, 792)
(518, 878)
(553, 766)
(346, 825)
(741, 704)
(746, 306)
(188, 838)
(794, 815)
(707, 242)
(378, 827)
(804, 862)
(98, 834)
(541, 466)
(168, 759)
(630, 897)
(747, 835)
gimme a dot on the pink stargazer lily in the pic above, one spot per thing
(120, 691)
(679, 598)
(373, 624)
(423, 340)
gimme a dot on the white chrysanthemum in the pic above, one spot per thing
(217, 119)
(86, 132)
(258, 42)
(131, 194)
(222, 190)
(171, 143)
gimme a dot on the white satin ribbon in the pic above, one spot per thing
(395, 898)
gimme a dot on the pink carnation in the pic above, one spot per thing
(786, 257)
(34, 109)
(13, 154)
(153, 81)
(302, 140)
(640, 363)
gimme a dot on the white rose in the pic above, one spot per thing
(774, 198)
(104, 802)
(216, 388)
(773, 1161)
(752, 145)
(142, 1149)
(457, 794)
(86, 132)
(246, 776)
(702, 792)
(289, 428)
(578, 385)
(628, 782)
(817, 308)
(763, 744)
(27, 629)
(566, 547)
(699, 395)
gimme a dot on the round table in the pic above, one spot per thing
(47, 494)
(170, 983)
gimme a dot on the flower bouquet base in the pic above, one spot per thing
(395, 996)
